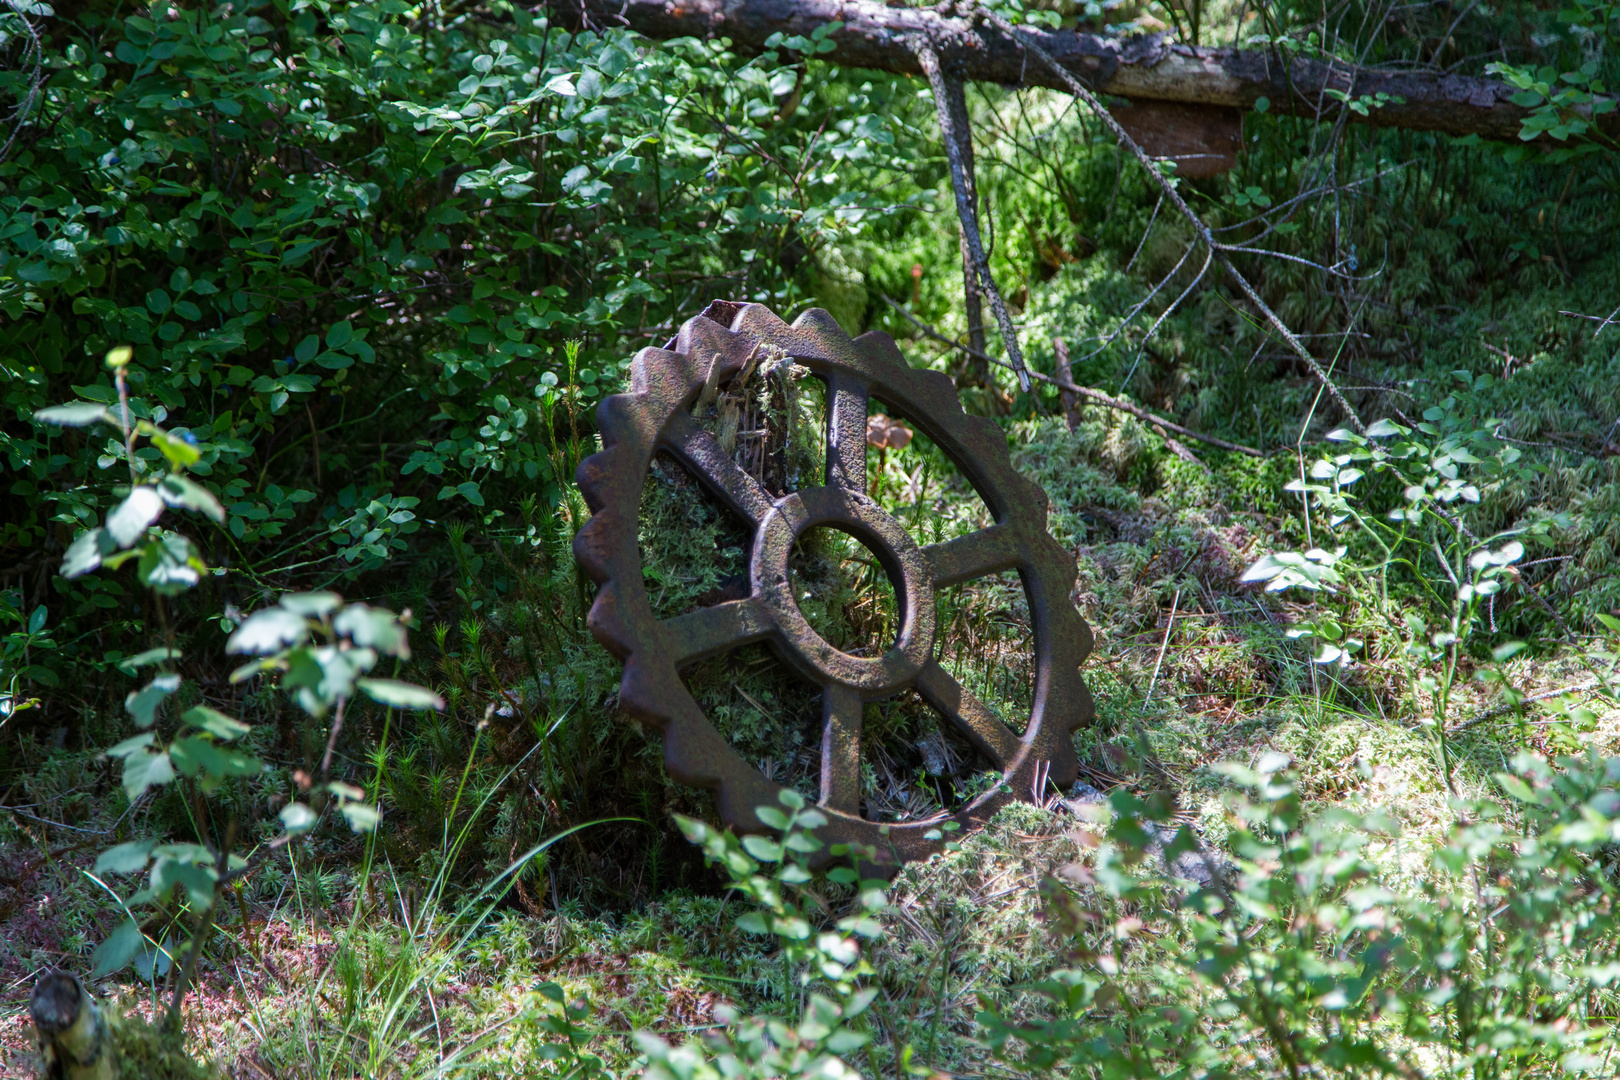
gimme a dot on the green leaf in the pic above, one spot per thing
(77, 414)
(297, 818)
(195, 753)
(125, 858)
(1506, 652)
(467, 490)
(376, 628)
(118, 950)
(754, 922)
(312, 605)
(180, 453)
(267, 631)
(86, 552)
(362, 817)
(142, 704)
(1383, 428)
(196, 878)
(181, 491)
(1517, 788)
(151, 656)
(773, 817)
(859, 1002)
(762, 848)
(129, 520)
(215, 723)
(130, 745)
(170, 564)
(144, 769)
(400, 695)
(338, 335)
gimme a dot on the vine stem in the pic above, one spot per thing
(1220, 251)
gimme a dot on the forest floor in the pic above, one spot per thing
(1193, 667)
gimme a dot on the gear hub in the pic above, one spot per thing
(655, 416)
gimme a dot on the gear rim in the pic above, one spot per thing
(654, 415)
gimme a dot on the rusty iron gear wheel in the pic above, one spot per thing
(655, 415)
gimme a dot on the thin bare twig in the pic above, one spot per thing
(1220, 250)
(965, 212)
(1163, 646)
(1503, 710)
(1069, 387)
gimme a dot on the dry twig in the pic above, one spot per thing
(964, 209)
(1067, 386)
(1218, 250)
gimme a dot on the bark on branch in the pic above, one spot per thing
(1149, 68)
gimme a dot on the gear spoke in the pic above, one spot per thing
(972, 717)
(987, 551)
(846, 432)
(841, 748)
(701, 452)
(709, 631)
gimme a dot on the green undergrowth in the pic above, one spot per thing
(365, 344)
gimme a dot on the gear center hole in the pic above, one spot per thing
(844, 592)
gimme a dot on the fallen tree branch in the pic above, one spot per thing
(1502, 710)
(1148, 68)
(1067, 387)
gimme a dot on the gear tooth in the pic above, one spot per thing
(1037, 498)
(885, 349)
(613, 416)
(644, 365)
(593, 475)
(594, 546)
(1088, 640)
(819, 321)
(700, 338)
(607, 626)
(686, 756)
(937, 386)
(1063, 767)
(643, 695)
(686, 768)
(983, 438)
(739, 803)
(759, 321)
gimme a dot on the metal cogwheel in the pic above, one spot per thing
(655, 415)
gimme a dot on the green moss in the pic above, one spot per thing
(147, 1051)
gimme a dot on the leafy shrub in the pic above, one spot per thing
(322, 675)
(345, 240)
(1309, 957)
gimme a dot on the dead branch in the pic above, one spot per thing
(966, 212)
(1148, 68)
(1217, 249)
(1066, 386)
